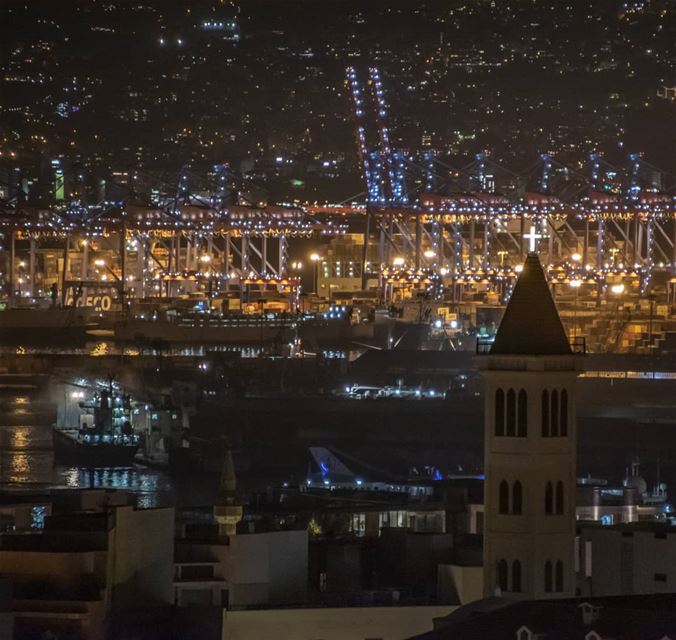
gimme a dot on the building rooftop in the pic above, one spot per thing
(531, 324)
(618, 617)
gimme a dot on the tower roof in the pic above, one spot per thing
(531, 324)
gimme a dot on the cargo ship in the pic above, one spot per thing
(47, 325)
(103, 436)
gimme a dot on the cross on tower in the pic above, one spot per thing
(533, 237)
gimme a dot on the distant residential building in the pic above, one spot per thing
(88, 563)
(216, 566)
(598, 501)
(625, 559)
(242, 571)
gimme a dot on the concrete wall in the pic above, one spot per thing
(268, 568)
(627, 562)
(143, 564)
(58, 567)
(411, 559)
(6, 625)
(359, 623)
(6, 614)
(460, 584)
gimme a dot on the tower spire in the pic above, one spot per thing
(227, 512)
(531, 324)
(228, 486)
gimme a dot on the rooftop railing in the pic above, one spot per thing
(578, 345)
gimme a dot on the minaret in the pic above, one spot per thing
(227, 512)
(530, 440)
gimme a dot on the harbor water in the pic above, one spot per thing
(27, 459)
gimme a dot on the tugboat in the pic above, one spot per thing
(104, 436)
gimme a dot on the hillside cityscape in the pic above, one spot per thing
(337, 320)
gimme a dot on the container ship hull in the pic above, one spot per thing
(46, 325)
(69, 449)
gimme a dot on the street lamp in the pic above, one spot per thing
(617, 290)
(575, 285)
(651, 299)
(315, 257)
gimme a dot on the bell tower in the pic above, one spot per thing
(530, 440)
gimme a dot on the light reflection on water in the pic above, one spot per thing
(110, 348)
(152, 488)
(27, 458)
(26, 455)
(99, 349)
(20, 467)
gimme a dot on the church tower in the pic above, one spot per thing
(530, 440)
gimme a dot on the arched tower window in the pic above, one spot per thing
(549, 499)
(522, 422)
(558, 577)
(503, 498)
(559, 497)
(564, 413)
(502, 575)
(554, 414)
(545, 414)
(548, 577)
(517, 498)
(516, 576)
(499, 412)
(511, 413)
